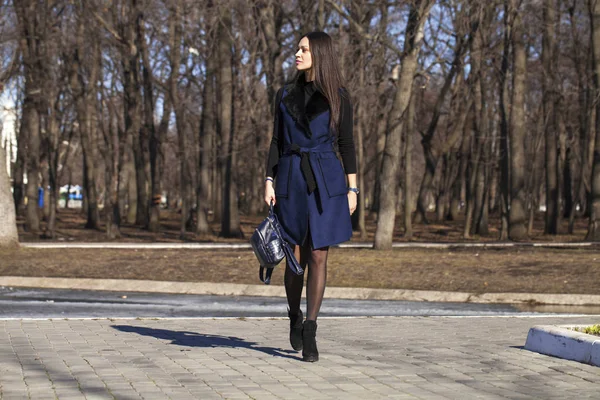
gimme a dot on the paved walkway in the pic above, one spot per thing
(361, 358)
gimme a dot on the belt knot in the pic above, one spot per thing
(305, 167)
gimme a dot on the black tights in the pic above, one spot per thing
(317, 276)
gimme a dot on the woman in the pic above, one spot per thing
(314, 195)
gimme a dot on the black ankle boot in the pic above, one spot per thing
(296, 329)
(309, 333)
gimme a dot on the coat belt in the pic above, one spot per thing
(305, 164)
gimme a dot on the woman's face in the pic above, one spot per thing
(303, 55)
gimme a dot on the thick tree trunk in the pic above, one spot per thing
(31, 37)
(8, 221)
(391, 156)
(518, 197)
(130, 59)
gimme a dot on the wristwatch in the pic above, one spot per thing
(354, 189)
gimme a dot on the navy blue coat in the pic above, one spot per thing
(321, 216)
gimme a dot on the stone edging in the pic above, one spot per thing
(559, 341)
(232, 289)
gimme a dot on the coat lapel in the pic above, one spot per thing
(294, 103)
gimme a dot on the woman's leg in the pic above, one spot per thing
(317, 277)
(294, 283)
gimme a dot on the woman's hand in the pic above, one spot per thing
(352, 199)
(269, 193)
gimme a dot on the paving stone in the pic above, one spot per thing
(361, 358)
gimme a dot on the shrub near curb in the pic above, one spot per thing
(590, 330)
(567, 342)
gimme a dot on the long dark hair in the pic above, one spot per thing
(327, 73)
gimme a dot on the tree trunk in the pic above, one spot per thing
(429, 151)
(31, 37)
(130, 55)
(593, 233)
(31, 122)
(504, 124)
(391, 156)
(517, 216)
(151, 137)
(183, 145)
(19, 169)
(230, 219)
(360, 133)
(52, 145)
(113, 138)
(581, 60)
(549, 118)
(207, 140)
(83, 96)
(410, 131)
(8, 221)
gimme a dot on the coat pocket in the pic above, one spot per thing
(333, 176)
(284, 173)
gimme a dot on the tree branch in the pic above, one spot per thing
(361, 31)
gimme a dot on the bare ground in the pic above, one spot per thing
(536, 270)
(474, 270)
(70, 226)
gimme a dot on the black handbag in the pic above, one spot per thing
(270, 247)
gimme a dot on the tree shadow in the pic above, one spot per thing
(194, 339)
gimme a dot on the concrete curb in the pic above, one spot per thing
(354, 245)
(232, 289)
(560, 341)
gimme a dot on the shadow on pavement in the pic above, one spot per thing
(194, 339)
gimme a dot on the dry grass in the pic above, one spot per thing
(475, 270)
(70, 226)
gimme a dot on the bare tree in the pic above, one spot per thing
(391, 156)
(517, 215)
(32, 32)
(82, 81)
(230, 220)
(549, 118)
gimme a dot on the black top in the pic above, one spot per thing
(345, 139)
